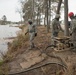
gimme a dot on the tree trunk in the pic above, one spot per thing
(44, 22)
(66, 18)
(58, 8)
(37, 19)
(33, 10)
(48, 26)
(49, 13)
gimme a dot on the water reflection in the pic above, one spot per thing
(7, 31)
(3, 47)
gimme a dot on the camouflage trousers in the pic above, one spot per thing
(32, 36)
(52, 38)
(73, 38)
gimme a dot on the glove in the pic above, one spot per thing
(35, 34)
(25, 33)
(70, 33)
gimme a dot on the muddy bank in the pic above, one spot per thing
(30, 62)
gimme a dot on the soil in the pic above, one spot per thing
(29, 59)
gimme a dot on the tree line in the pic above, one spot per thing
(35, 9)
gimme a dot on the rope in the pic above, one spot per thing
(37, 68)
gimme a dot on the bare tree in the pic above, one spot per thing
(59, 6)
(66, 17)
(20, 13)
(34, 9)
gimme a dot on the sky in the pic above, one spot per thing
(9, 7)
(71, 8)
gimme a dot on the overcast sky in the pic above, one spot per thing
(8, 8)
(72, 6)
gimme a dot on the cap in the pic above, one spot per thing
(57, 16)
(71, 14)
(29, 20)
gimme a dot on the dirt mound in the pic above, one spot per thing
(36, 62)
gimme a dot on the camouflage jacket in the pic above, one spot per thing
(55, 26)
(73, 25)
(32, 28)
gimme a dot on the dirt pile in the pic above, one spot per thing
(36, 62)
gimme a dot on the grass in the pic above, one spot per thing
(14, 48)
(1, 62)
(22, 27)
(4, 69)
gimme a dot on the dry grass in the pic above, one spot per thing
(18, 42)
(21, 42)
(22, 27)
(16, 47)
(4, 69)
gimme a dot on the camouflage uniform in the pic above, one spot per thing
(55, 28)
(73, 31)
(32, 33)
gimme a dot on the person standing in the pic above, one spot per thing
(73, 28)
(32, 33)
(55, 28)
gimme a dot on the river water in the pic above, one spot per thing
(6, 31)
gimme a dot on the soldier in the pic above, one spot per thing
(32, 33)
(73, 28)
(55, 28)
